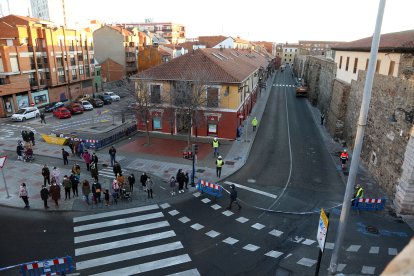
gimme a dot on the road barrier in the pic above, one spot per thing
(210, 188)
(368, 204)
(57, 266)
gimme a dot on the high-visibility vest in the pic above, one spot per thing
(359, 193)
(215, 144)
(219, 163)
(254, 122)
(344, 155)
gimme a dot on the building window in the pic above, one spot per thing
(80, 57)
(59, 61)
(155, 94)
(87, 71)
(61, 74)
(74, 75)
(355, 65)
(72, 61)
(81, 70)
(366, 64)
(340, 62)
(391, 70)
(377, 68)
(212, 97)
(156, 123)
(347, 64)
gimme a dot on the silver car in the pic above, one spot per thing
(25, 113)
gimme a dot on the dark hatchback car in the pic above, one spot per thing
(75, 108)
(105, 98)
(95, 102)
(52, 106)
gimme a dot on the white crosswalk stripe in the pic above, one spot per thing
(108, 172)
(127, 242)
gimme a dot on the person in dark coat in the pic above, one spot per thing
(117, 169)
(186, 179)
(96, 191)
(233, 197)
(55, 192)
(46, 175)
(44, 195)
(94, 159)
(94, 171)
(143, 180)
(180, 177)
(131, 181)
(65, 155)
(112, 152)
(19, 151)
(75, 182)
(42, 118)
(32, 137)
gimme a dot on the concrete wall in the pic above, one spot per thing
(109, 43)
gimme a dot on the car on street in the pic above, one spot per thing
(95, 102)
(105, 98)
(26, 113)
(86, 105)
(53, 105)
(113, 96)
(75, 108)
(301, 88)
(62, 113)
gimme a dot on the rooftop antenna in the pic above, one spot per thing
(8, 6)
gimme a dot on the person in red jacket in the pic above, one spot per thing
(344, 157)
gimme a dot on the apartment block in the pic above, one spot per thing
(49, 10)
(315, 48)
(116, 50)
(41, 63)
(173, 32)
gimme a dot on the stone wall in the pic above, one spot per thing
(335, 116)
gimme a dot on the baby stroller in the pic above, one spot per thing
(28, 155)
(125, 194)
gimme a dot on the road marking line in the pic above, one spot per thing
(191, 272)
(392, 251)
(230, 241)
(123, 231)
(197, 226)
(374, 250)
(212, 234)
(123, 243)
(276, 233)
(115, 213)
(129, 255)
(258, 226)
(251, 247)
(251, 189)
(307, 262)
(368, 270)
(242, 219)
(353, 248)
(117, 222)
(274, 254)
(145, 267)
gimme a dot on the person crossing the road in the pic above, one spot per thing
(254, 123)
(46, 175)
(42, 118)
(219, 165)
(359, 193)
(112, 153)
(233, 197)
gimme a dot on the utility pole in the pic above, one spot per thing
(358, 139)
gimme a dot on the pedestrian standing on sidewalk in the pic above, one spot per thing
(56, 175)
(115, 186)
(131, 181)
(67, 184)
(44, 195)
(150, 185)
(32, 137)
(46, 175)
(94, 159)
(180, 177)
(70, 145)
(143, 179)
(116, 169)
(233, 197)
(87, 158)
(219, 165)
(186, 180)
(19, 151)
(172, 185)
(23, 194)
(254, 123)
(106, 197)
(55, 193)
(65, 155)
(94, 171)
(216, 144)
(76, 170)
(121, 180)
(96, 191)
(81, 149)
(112, 152)
(86, 190)
(42, 118)
(75, 182)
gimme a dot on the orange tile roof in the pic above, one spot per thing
(211, 41)
(212, 65)
(399, 41)
(123, 31)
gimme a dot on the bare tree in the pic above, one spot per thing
(143, 105)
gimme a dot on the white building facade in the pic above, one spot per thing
(50, 10)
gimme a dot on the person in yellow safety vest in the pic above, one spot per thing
(359, 193)
(254, 123)
(219, 165)
(216, 145)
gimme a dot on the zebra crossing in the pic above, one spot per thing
(108, 172)
(127, 242)
(12, 132)
(283, 85)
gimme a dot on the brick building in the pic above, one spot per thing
(41, 63)
(173, 32)
(230, 81)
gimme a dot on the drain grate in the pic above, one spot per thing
(230, 162)
(372, 229)
(200, 170)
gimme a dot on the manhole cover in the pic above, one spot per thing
(230, 162)
(200, 170)
(372, 229)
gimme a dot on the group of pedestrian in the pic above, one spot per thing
(77, 147)
(182, 179)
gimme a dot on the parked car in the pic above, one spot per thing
(96, 102)
(53, 105)
(62, 113)
(26, 113)
(86, 105)
(113, 96)
(105, 98)
(75, 108)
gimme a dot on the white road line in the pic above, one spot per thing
(123, 243)
(191, 272)
(148, 266)
(117, 222)
(116, 213)
(123, 231)
(251, 189)
(129, 255)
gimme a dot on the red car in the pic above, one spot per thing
(62, 113)
(75, 108)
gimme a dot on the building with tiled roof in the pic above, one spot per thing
(230, 78)
(391, 60)
(226, 42)
(41, 63)
(173, 32)
(118, 47)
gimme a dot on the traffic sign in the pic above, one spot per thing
(322, 229)
(2, 161)
(241, 116)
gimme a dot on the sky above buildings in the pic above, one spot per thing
(269, 20)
